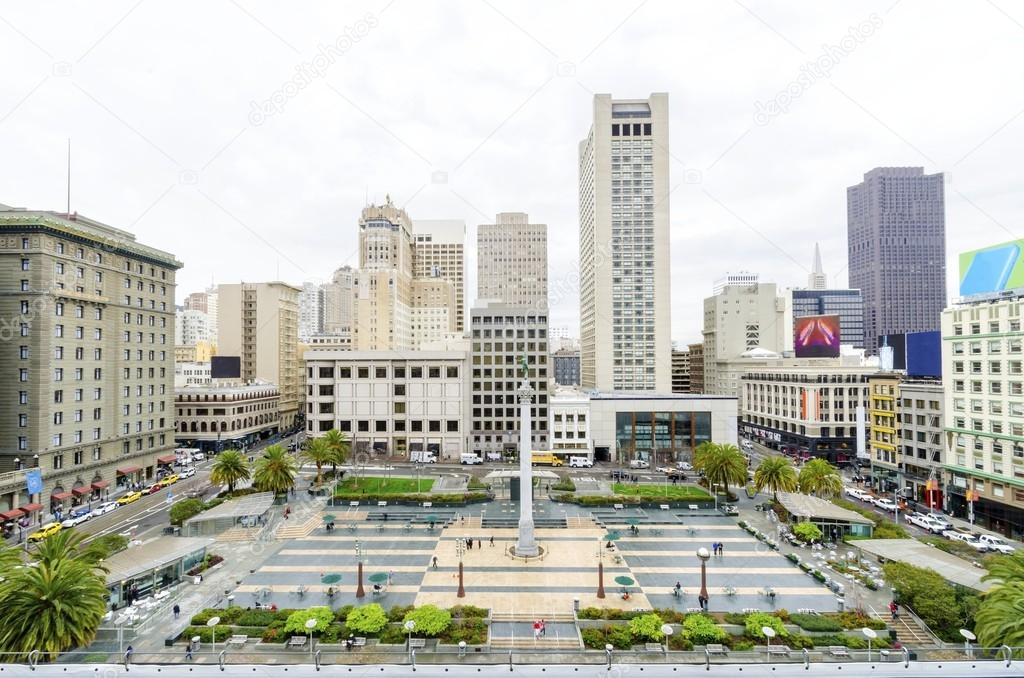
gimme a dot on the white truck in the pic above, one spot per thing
(995, 543)
(423, 457)
(580, 462)
(470, 458)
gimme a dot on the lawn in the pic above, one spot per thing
(385, 485)
(680, 492)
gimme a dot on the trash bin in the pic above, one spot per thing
(840, 604)
(195, 643)
(575, 604)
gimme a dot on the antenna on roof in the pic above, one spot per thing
(69, 178)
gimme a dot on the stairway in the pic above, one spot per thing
(293, 529)
(580, 522)
(910, 631)
(239, 533)
(513, 522)
(523, 617)
(531, 643)
(526, 641)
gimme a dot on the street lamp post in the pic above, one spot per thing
(968, 637)
(600, 568)
(769, 633)
(870, 634)
(360, 593)
(460, 548)
(212, 623)
(310, 625)
(703, 555)
(409, 627)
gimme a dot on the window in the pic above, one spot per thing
(434, 372)
(416, 373)
(363, 372)
(453, 371)
(381, 372)
(25, 264)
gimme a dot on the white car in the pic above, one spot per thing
(639, 463)
(940, 522)
(186, 473)
(105, 507)
(76, 520)
(926, 522)
(885, 504)
(856, 493)
(684, 466)
(198, 456)
(995, 543)
(967, 538)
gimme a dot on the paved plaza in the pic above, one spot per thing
(661, 553)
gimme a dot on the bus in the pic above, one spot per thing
(545, 459)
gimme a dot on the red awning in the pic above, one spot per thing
(60, 496)
(100, 484)
(167, 459)
(31, 508)
(128, 470)
(11, 515)
(79, 491)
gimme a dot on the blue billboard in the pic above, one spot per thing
(924, 354)
(33, 481)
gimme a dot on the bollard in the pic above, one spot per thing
(510, 660)
(807, 660)
(316, 660)
(707, 659)
(1009, 654)
(412, 658)
(220, 658)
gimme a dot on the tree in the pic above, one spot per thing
(701, 630)
(430, 620)
(366, 619)
(319, 452)
(777, 474)
(646, 627)
(229, 468)
(339, 445)
(296, 622)
(1000, 617)
(820, 478)
(54, 606)
(67, 545)
(807, 532)
(184, 510)
(275, 471)
(722, 464)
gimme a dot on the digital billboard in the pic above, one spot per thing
(992, 269)
(816, 336)
(225, 367)
(924, 354)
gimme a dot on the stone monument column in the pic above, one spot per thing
(527, 544)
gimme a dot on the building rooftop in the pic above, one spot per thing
(953, 569)
(806, 506)
(136, 560)
(642, 395)
(225, 389)
(248, 505)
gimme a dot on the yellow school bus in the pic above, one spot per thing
(546, 459)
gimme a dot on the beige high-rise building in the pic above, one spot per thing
(88, 354)
(431, 317)
(439, 252)
(259, 322)
(337, 304)
(738, 319)
(512, 262)
(680, 371)
(625, 311)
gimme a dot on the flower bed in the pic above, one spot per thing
(211, 560)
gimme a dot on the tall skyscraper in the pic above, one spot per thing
(259, 322)
(310, 311)
(88, 356)
(512, 261)
(439, 252)
(337, 302)
(817, 280)
(896, 239)
(740, 318)
(625, 322)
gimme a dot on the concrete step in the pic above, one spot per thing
(294, 529)
(239, 534)
(531, 643)
(514, 522)
(530, 617)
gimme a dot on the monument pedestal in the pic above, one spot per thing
(526, 546)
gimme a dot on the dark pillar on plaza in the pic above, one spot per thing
(360, 593)
(462, 589)
(600, 579)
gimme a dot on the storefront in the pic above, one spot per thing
(128, 476)
(141, 571)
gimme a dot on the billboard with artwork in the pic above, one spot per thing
(992, 269)
(816, 336)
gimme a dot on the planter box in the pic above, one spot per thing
(441, 647)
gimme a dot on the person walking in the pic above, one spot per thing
(469, 544)
(536, 630)
(543, 628)
(721, 549)
(391, 576)
(492, 540)
(188, 650)
(479, 543)
(435, 562)
(176, 610)
(894, 610)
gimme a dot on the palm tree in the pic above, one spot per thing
(67, 545)
(52, 607)
(318, 452)
(229, 468)
(820, 478)
(339, 445)
(1000, 617)
(722, 464)
(775, 473)
(275, 470)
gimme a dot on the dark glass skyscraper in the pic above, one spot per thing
(896, 240)
(847, 304)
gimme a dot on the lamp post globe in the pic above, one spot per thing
(704, 555)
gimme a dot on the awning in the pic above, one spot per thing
(60, 496)
(100, 484)
(31, 508)
(128, 470)
(167, 459)
(11, 515)
(79, 491)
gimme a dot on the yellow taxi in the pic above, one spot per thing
(170, 480)
(47, 530)
(129, 498)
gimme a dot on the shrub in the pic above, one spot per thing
(888, 530)
(590, 613)
(806, 532)
(393, 634)
(366, 619)
(619, 637)
(333, 633)
(209, 634)
(670, 616)
(792, 557)
(757, 620)
(109, 544)
(701, 630)
(813, 622)
(297, 620)
(564, 485)
(472, 630)
(272, 635)
(742, 646)
(735, 618)
(469, 611)
(185, 509)
(231, 615)
(646, 627)
(856, 620)
(742, 524)
(398, 612)
(593, 638)
(818, 575)
(679, 642)
(430, 620)
(799, 641)
(341, 614)
(256, 618)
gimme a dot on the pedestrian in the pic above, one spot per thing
(348, 643)
(894, 610)
(478, 543)
(129, 651)
(435, 562)
(188, 650)
(536, 630)
(721, 549)
(469, 544)
(543, 628)
(492, 540)
(391, 576)
(177, 610)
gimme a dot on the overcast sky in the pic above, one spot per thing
(189, 129)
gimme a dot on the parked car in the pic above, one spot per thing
(129, 498)
(170, 480)
(925, 522)
(77, 517)
(638, 463)
(47, 530)
(995, 543)
(856, 493)
(684, 466)
(941, 522)
(967, 538)
(885, 504)
(105, 507)
(187, 473)
(153, 489)
(198, 456)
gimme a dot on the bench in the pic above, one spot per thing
(359, 642)
(428, 504)
(238, 640)
(353, 503)
(748, 610)
(417, 642)
(617, 507)
(693, 609)
(715, 648)
(382, 503)
(694, 507)
(782, 650)
(654, 647)
(665, 507)
(838, 651)
(297, 641)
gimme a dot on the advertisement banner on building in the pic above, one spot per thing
(992, 269)
(33, 481)
(816, 336)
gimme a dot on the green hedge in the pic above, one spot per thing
(472, 630)
(464, 498)
(814, 622)
(208, 634)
